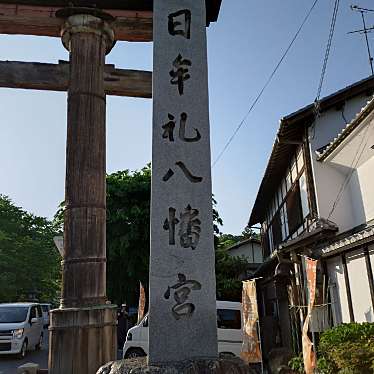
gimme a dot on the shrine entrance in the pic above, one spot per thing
(83, 329)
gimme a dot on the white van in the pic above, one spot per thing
(21, 328)
(229, 331)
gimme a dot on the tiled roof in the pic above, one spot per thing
(243, 242)
(346, 131)
(362, 235)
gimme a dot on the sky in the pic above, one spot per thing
(243, 48)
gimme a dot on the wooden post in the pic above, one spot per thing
(83, 331)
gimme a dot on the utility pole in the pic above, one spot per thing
(364, 31)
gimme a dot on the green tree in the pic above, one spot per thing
(29, 261)
(128, 233)
(128, 239)
(228, 268)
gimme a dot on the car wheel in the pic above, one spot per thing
(23, 352)
(38, 347)
(134, 353)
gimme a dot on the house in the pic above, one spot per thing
(314, 200)
(251, 250)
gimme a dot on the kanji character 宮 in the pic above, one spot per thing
(182, 289)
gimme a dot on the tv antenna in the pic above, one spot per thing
(366, 30)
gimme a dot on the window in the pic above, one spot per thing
(294, 211)
(300, 161)
(265, 244)
(288, 181)
(40, 313)
(11, 314)
(304, 195)
(284, 222)
(277, 229)
(228, 319)
(288, 207)
(33, 312)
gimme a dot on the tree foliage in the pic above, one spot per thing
(228, 268)
(29, 261)
(128, 240)
(128, 233)
(349, 348)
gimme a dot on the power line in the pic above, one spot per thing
(266, 84)
(324, 66)
(328, 49)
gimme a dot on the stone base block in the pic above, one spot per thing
(140, 366)
(29, 368)
(82, 339)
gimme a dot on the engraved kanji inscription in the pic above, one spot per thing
(170, 224)
(169, 128)
(189, 227)
(182, 130)
(182, 290)
(180, 23)
(180, 72)
(192, 178)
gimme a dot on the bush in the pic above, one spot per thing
(345, 349)
(323, 366)
(349, 348)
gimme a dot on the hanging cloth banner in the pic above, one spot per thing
(141, 306)
(251, 351)
(308, 353)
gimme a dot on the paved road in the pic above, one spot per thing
(9, 364)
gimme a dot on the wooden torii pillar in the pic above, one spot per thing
(83, 329)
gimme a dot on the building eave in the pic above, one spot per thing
(243, 242)
(345, 242)
(347, 131)
(290, 133)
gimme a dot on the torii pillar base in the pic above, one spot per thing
(82, 339)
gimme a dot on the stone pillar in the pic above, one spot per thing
(182, 313)
(82, 331)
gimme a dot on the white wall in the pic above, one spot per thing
(359, 284)
(252, 251)
(349, 211)
(338, 291)
(371, 254)
(366, 178)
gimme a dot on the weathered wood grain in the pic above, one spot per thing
(132, 26)
(55, 77)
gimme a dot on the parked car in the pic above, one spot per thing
(21, 328)
(46, 308)
(229, 332)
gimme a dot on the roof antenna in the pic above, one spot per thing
(364, 31)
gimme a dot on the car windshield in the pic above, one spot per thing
(45, 308)
(13, 314)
